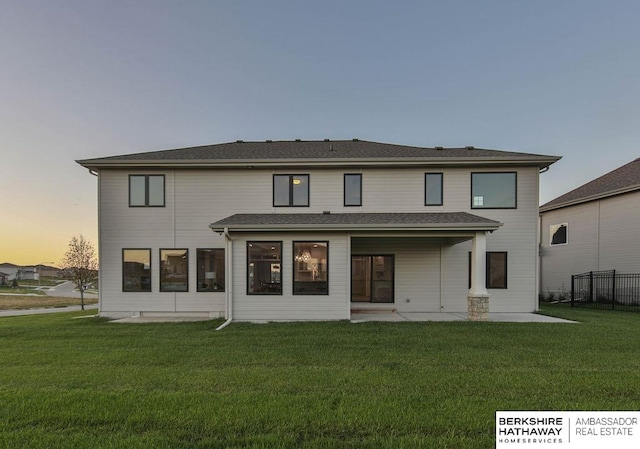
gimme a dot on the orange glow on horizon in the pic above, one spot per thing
(32, 248)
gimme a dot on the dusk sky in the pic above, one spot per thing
(84, 79)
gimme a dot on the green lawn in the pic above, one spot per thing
(44, 282)
(90, 383)
(17, 302)
(21, 291)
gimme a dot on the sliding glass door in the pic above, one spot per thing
(372, 279)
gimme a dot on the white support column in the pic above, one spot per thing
(478, 264)
(478, 297)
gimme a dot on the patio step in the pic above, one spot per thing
(374, 310)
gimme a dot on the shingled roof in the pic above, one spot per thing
(347, 221)
(310, 152)
(621, 180)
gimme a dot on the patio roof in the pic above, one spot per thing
(426, 221)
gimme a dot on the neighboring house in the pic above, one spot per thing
(592, 228)
(311, 230)
(10, 270)
(18, 272)
(28, 272)
(48, 272)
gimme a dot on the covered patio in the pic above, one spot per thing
(378, 259)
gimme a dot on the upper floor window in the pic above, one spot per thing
(146, 190)
(174, 270)
(559, 234)
(433, 189)
(210, 269)
(493, 190)
(353, 189)
(136, 270)
(290, 190)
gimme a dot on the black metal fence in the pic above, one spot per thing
(606, 290)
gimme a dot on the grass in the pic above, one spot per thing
(10, 302)
(90, 383)
(44, 282)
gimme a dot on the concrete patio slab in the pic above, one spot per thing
(449, 316)
(360, 317)
(160, 319)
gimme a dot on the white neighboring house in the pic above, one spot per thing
(591, 228)
(19, 272)
(10, 270)
(311, 230)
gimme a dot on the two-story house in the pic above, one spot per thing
(311, 230)
(591, 228)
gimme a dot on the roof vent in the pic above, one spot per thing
(269, 140)
(439, 148)
(297, 140)
(355, 140)
(326, 212)
(326, 140)
(469, 148)
(239, 141)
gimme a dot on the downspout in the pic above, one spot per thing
(229, 275)
(99, 182)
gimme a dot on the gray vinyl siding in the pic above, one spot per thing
(417, 271)
(619, 245)
(602, 235)
(559, 262)
(287, 307)
(518, 237)
(434, 280)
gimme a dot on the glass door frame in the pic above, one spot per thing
(375, 279)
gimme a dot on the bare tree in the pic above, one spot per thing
(81, 263)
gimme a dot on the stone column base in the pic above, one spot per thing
(478, 307)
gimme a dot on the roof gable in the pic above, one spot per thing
(621, 180)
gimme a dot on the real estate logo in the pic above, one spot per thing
(579, 430)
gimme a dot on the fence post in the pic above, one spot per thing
(573, 290)
(613, 290)
(590, 286)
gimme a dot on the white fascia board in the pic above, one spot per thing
(247, 163)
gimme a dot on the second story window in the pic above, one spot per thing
(291, 190)
(433, 189)
(558, 233)
(146, 190)
(494, 190)
(353, 189)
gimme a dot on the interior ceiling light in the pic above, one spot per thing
(303, 256)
